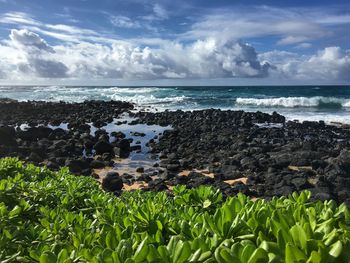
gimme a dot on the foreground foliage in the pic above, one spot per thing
(56, 217)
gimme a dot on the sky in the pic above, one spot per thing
(174, 42)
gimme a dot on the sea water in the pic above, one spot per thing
(328, 103)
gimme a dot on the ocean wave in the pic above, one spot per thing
(148, 100)
(136, 90)
(293, 102)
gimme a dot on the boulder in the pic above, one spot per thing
(97, 164)
(112, 182)
(34, 133)
(7, 136)
(103, 146)
(76, 166)
(342, 163)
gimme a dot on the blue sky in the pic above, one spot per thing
(174, 42)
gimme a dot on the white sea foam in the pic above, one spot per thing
(147, 100)
(292, 102)
(135, 90)
(328, 118)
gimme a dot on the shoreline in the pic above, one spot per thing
(274, 160)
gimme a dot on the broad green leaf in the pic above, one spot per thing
(141, 251)
(247, 251)
(195, 256)
(111, 240)
(62, 256)
(182, 252)
(294, 254)
(336, 249)
(259, 256)
(315, 257)
(48, 257)
(299, 236)
(204, 256)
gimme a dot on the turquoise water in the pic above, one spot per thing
(329, 103)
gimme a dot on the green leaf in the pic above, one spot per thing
(141, 251)
(111, 240)
(48, 257)
(204, 256)
(195, 256)
(315, 257)
(15, 211)
(33, 254)
(206, 203)
(336, 249)
(248, 250)
(153, 254)
(294, 254)
(299, 236)
(182, 252)
(163, 251)
(259, 256)
(62, 256)
(271, 247)
(107, 256)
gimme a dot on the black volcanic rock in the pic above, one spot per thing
(7, 136)
(112, 182)
(102, 147)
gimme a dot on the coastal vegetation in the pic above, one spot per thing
(50, 216)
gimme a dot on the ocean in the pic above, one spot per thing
(328, 103)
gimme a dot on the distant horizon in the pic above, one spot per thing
(184, 86)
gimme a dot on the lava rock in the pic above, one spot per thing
(97, 164)
(112, 182)
(102, 147)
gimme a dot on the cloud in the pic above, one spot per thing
(124, 22)
(210, 48)
(62, 32)
(201, 59)
(288, 25)
(72, 30)
(27, 56)
(28, 39)
(2, 75)
(211, 58)
(48, 68)
(292, 40)
(303, 45)
(160, 12)
(329, 64)
(18, 18)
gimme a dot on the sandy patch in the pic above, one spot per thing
(299, 168)
(312, 181)
(239, 180)
(203, 172)
(135, 186)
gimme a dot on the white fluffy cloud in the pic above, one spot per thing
(26, 56)
(25, 39)
(202, 59)
(331, 63)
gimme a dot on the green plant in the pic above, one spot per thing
(57, 217)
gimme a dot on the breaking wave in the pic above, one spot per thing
(293, 102)
(148, 100)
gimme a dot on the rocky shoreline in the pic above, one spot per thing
(258, 154)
